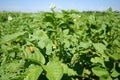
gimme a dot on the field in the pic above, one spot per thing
(66, 45)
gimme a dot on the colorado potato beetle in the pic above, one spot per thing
(31, 49)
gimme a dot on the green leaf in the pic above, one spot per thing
(48, 44)
(115, 56)
(86, 71)
(98, 71)
(48, 18)
(67, 43)
(33, 72)
(54, 70)
(41, 44)
(7, 38)
(40, 35)
(99, 47)
(58, 15)
(68, 71)
(115, 73)
(98, 60)
(9, 71)
(85, 44)
(66, 31)
(105, 78)
(44, 41)
(12, 54)
(35, 56)
(75, 58)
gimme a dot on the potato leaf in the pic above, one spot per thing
(54, 70)
(99, 47)
(33, 72)
(68, 70)
(10, 37)
(98, 71)
(36, 56)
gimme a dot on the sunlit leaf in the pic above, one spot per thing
(66, 31)
(48, 44)
(54, 70)
(99, 47)
(44, 41)
(98, 60)
(35, 56)
(33, 73)
(68, 70)
(98, 71)
(85, 44)
(7, 38)
(115, 73)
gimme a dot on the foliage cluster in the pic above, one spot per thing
(66, 45)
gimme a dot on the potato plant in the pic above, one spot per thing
(65, 45)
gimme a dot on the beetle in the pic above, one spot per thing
(31, 48)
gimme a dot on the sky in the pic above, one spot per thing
(44, 5)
